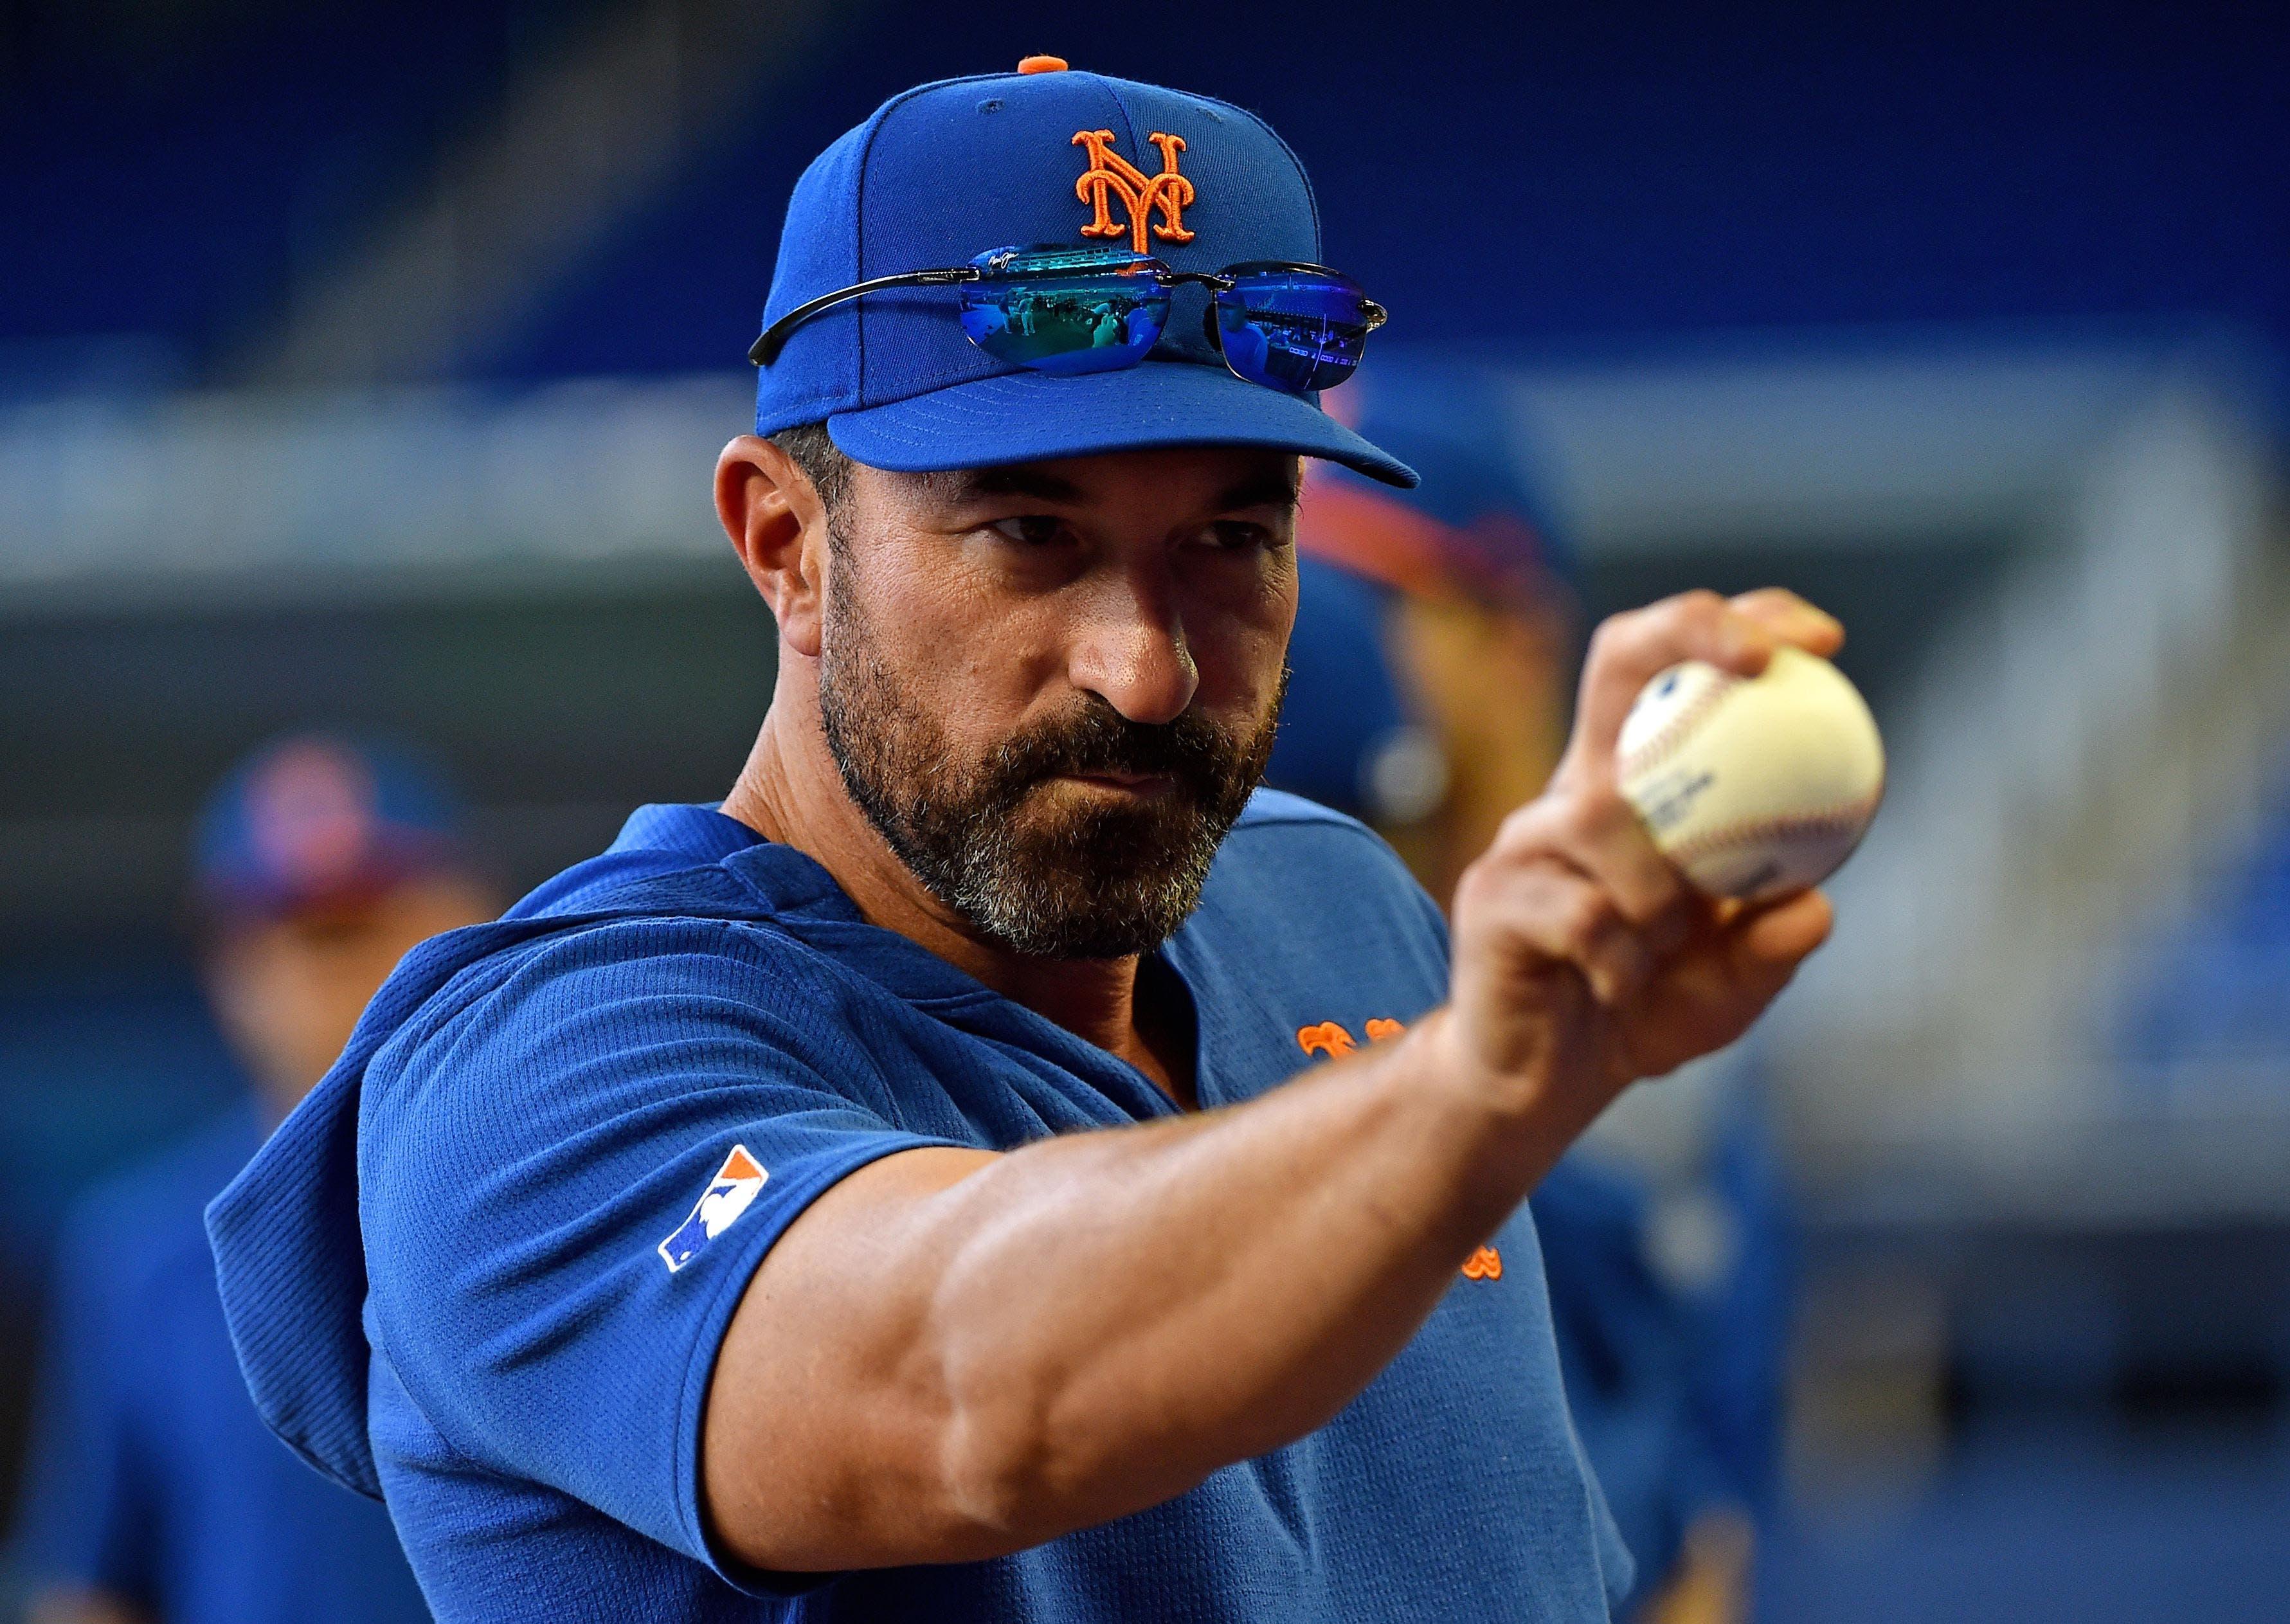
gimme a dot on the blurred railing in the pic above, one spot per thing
(2077, 746)
(296, 496)
(2075, 738)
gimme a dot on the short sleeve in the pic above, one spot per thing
(566, 1185)
(90, 1519)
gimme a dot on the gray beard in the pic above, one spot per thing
(1055, 882)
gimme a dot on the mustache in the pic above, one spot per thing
(1098, 739)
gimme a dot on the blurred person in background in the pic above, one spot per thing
(1433, 660)
(1436, 629)
(155, 1491)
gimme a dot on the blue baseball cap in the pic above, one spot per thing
(950, 170)
(313, 823)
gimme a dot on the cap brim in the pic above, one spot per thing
(1034, 416)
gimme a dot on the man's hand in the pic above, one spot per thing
(1582, 959)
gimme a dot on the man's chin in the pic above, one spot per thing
(1107, 887)
(1080, 935)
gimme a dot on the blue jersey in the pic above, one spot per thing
(153, 1478)
(485, 1270)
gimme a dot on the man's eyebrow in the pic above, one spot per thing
(1260, 491)
(961, 485)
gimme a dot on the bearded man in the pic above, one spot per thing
(994, 1166)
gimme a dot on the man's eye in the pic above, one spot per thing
(1238, 535)
(1032, 529)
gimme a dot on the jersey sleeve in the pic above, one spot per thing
(90, 1517)
(566, 1185)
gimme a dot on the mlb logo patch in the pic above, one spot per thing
(730, 1193)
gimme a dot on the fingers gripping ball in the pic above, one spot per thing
(1755, 787)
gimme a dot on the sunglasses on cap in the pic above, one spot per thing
(1289, 327)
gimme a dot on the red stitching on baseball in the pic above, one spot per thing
(1673, 731)
(1837, 819)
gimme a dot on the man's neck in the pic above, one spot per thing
(793, 796)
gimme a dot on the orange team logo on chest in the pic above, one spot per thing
(1485, 1264)
(1327, 1037)
(1110, 175)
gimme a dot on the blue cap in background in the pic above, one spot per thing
(949, 170)
(1350, 735)
(312, 821)
(1477, 523)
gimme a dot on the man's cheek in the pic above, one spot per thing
(1243, 672)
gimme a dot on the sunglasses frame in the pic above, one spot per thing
(766, 349)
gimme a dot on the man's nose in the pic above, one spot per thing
(1130, 653)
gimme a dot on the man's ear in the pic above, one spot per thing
(777, 525)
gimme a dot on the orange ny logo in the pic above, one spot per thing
(1485, 1264)
(1326, 1038)
(1110, 175)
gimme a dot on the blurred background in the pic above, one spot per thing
(362, 368)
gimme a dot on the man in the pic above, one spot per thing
(873, 1199)
(156, 1493)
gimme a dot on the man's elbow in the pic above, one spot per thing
(1002, 1478)
(902, 1480)
(1023, 1461)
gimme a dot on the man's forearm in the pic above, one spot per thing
(1133, 1310)
(1092, 1325)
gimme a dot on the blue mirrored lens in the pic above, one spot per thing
(1066, 310)
(1293, 331)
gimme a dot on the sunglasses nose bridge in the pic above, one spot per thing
(1191, 333)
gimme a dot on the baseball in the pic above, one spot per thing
(1755, 787)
